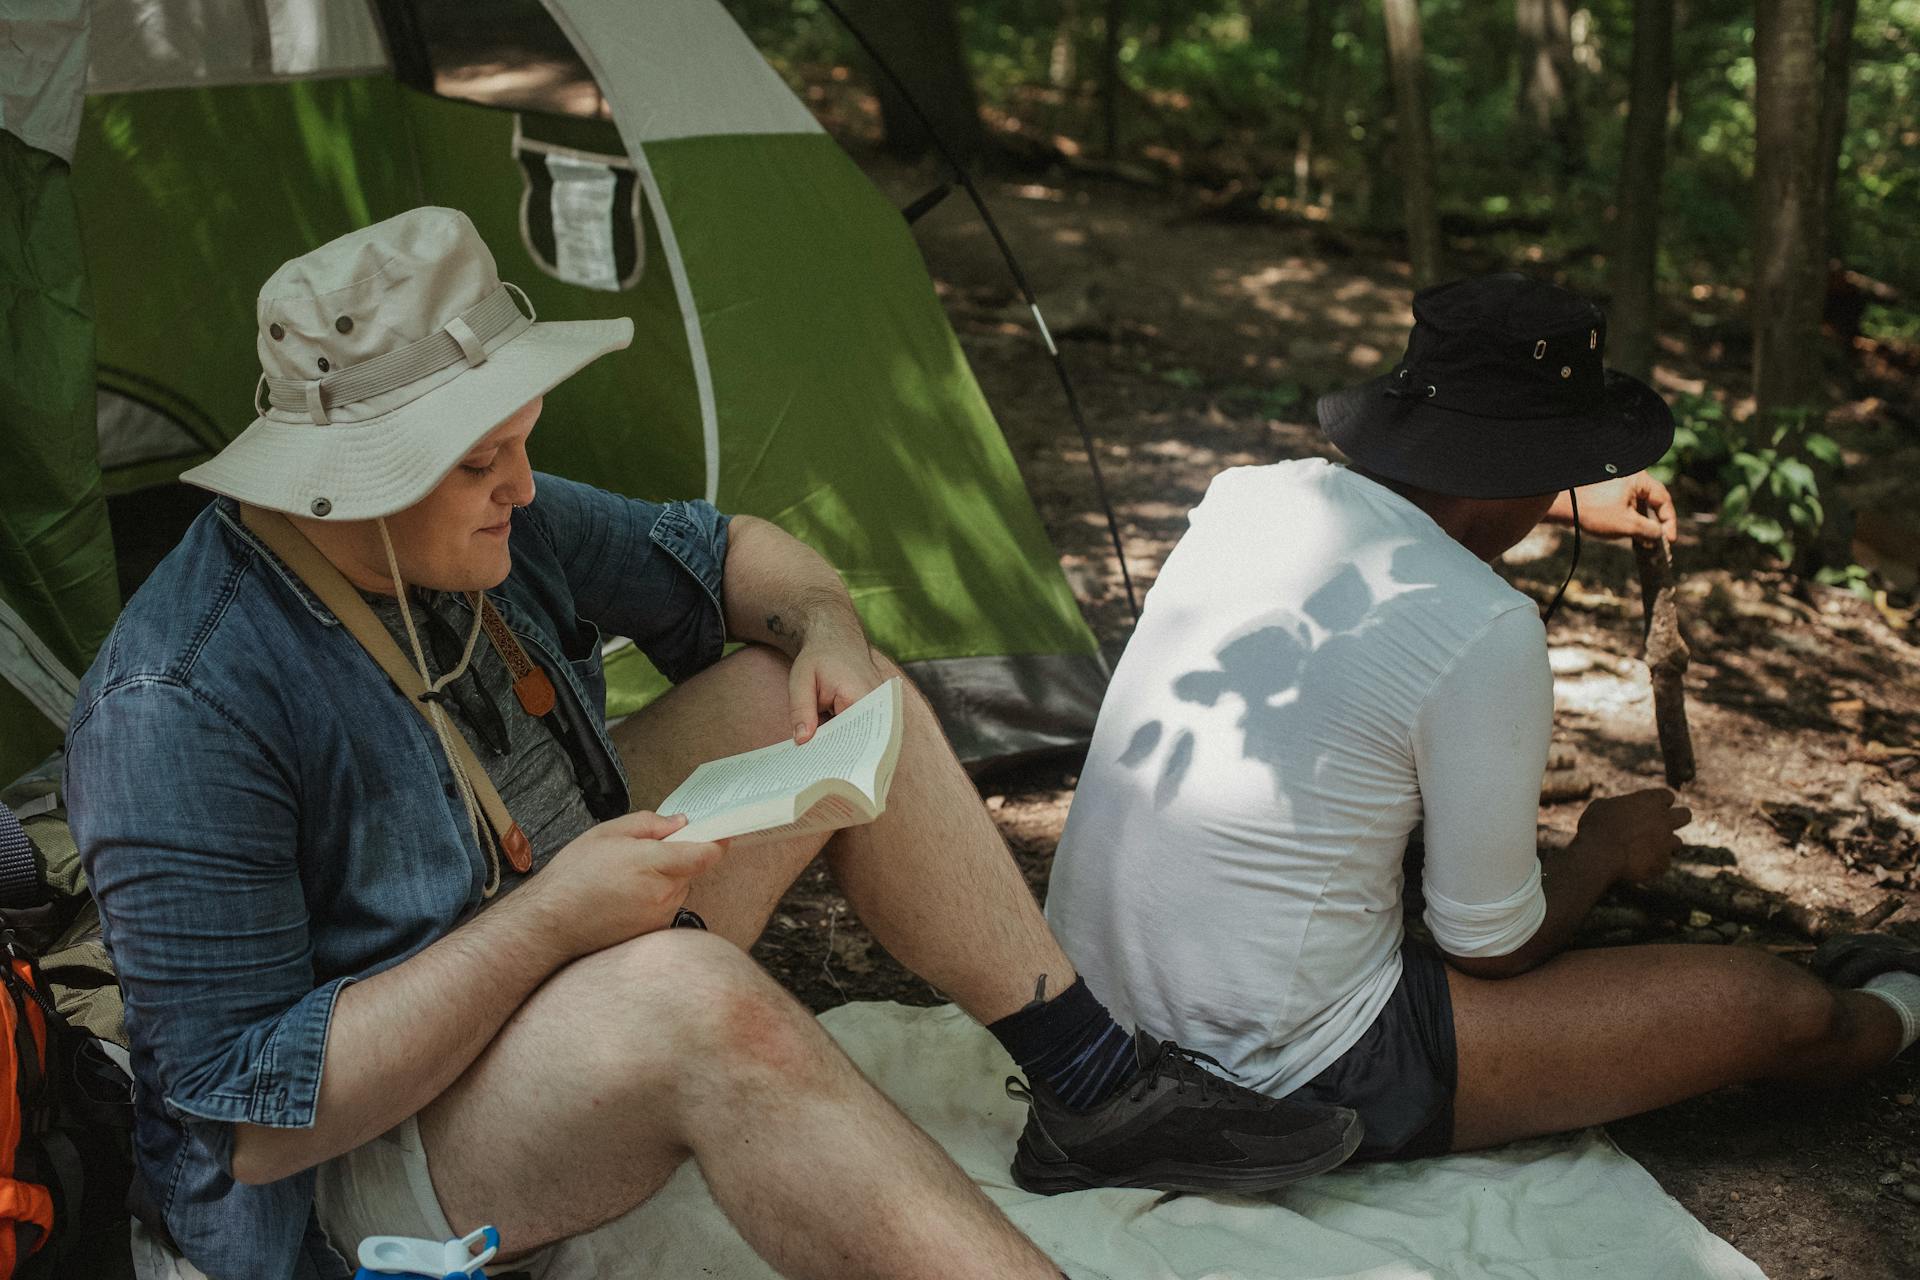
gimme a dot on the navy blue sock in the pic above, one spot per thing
(1071, 1044)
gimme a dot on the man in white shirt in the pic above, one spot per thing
(1326, 661)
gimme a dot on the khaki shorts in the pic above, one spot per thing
(383, 1189)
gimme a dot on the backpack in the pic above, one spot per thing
(26, 1173)
(66, 1113)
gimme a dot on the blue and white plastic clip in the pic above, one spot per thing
(414, 1259)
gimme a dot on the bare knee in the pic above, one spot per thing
(684, 1008)
(761, 672)
(1786, 1010)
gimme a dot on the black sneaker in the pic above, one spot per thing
(1850, 959)
(1177, 1127)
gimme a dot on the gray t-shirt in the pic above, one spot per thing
(533, 774)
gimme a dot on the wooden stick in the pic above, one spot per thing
(1667, 656)
(1727, 897)
(1880, 914)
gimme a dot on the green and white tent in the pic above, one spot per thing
(623, 157)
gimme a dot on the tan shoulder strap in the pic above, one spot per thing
(327, 582)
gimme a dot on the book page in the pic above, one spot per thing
(829, 814)
(852, 746)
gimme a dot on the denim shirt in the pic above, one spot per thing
(264, 819)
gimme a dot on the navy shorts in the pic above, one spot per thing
(1400, 1075)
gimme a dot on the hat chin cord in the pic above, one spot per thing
(437, 714)
(1545, 617)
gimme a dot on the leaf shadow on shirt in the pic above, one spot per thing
(1277, 666)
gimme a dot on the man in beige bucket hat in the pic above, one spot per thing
(395, 927)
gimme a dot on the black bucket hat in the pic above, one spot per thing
(1502, 394)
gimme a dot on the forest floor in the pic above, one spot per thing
(1198, 342)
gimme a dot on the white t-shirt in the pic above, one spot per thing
(1317, 668)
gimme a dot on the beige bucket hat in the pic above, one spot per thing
(386, 355)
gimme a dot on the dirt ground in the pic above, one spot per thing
(1198, 343)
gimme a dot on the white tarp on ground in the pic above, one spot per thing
(1553, 1210)
(1560, 1209)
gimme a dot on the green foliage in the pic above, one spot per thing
(1768, 480)
(1184, 378)
(1277, 400)
(1888, 324)
(1848, 577)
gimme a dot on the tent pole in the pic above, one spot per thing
(1020, 278)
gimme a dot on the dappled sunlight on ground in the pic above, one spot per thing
(556, 86)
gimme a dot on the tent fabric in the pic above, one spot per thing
(679, 69)
(138, 441)
(791, 359)
(56, 550)
(43, 71)
(158, 44)
(36, 696)
(580, 211)
(1003, 707)
(797, 354)
(30, 667)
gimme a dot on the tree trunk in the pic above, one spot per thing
(1547, 102)
(1407, 58)
(920, 40)
(1836, 74)
(1271, 21)
(1789, 248)
(1632, 322)
(1062, 62)
(1318, 55)
(1110, 79)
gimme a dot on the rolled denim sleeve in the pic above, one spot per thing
(645, 570)
(189, 832)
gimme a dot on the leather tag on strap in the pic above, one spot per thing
(517, 848)
(535, 691)
(531, 684)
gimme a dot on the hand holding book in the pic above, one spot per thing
(837, 778)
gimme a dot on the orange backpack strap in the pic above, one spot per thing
(26, 1205)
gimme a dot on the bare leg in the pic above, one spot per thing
(931, 877)
(675, 1044)
(1591, 1036)
(736, 705)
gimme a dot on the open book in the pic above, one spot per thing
(839, 778)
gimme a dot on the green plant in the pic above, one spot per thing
(1768, 480)
(1184, 378)
(1269, 400)
(1888, 324)
(1848, 577)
